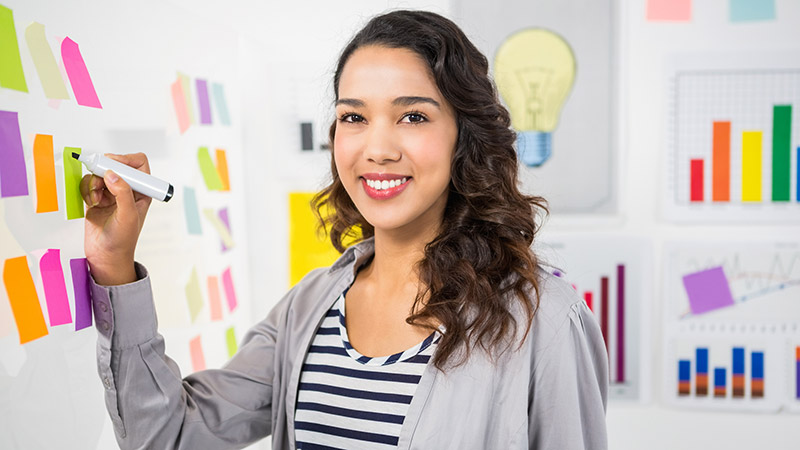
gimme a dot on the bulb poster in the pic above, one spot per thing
(555, 73)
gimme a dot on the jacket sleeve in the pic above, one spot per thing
(150, 406)
(569, 383)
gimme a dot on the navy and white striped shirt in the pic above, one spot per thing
(350, 401)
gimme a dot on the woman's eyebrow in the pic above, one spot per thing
(411, 100)
(355, 103)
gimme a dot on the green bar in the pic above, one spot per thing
(781, 151)
(11, 75)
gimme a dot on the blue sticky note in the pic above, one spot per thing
(220, 103)
(191, 211)
(752, 10)
(708, 290)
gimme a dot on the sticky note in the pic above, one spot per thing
(196, 351)
(202, 101)
(751, 10)
(179, 102)
(208, 169)
(80, 287)
(45, 63)
(230, 339)
(194, 297)
(191, 211)
(223, 231)
(11, 74)
(73, 172)
(307, 249)
(78, 74)
(230, 292)
(214, 302)
(708, 290)
(223, 216)
(669, 10)
(13, 175)
(45, 170)
(24, 300)
(222, 170)
(187, 96)
(220, 103)
(55, 290)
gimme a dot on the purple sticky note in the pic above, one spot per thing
(708, 290)
(80, 286)
(55, 289)
(13, 176)
(223, 216)
(202, 100)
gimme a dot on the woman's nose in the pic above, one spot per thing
(381, 146)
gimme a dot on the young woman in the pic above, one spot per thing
(436, 330)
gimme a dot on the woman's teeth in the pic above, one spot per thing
(379, 185)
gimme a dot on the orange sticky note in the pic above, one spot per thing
(196, 349)
(213, 296)
(222, 169)
(24, 300)
(45, 168)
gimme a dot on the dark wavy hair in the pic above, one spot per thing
(481, 262)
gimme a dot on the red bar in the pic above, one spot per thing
(721, 163)
(587, 297)
(696, 180)
(604, 309)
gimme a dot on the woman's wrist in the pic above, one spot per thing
(114, 274)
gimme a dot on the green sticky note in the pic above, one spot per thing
(209, 170)
(11, 75)
(230, 338)
(193, 295)
(73, 172)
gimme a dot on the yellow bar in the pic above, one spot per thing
(751, 166)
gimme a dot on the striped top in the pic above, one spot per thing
(350, 401)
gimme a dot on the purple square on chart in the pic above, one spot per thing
(708, 290)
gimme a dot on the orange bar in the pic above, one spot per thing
(719, 391)
(721, 163)
(45, 169)
(24, 300)
(684, 388)
(701, 387)
(757, 388)
(222, 170)
(738, 386)
(797, 353)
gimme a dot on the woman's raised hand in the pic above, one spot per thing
(113, 222)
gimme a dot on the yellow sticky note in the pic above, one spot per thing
(307, 249)
(194, 297)
(45, 62)
(230, 340)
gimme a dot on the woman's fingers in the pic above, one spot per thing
(135, 160)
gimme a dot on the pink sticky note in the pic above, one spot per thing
(196, 350)
(80, 287)
(230, 293)
(180, 106)
(213, 296)
(55, 290)
(78, 74)
(669, 10)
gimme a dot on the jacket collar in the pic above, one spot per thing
(355, 256)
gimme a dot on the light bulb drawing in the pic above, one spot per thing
(534, 71)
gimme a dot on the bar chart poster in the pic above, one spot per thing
(730, 311)
(611, 274)
(733, 144)
(792, 368)
(725, 369)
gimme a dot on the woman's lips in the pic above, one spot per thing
(371, 183)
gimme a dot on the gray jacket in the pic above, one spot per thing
(548, 394)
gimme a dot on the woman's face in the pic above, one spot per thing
(395, 138)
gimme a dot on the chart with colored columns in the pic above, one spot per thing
(797, 372)
(605, 308)
(751, 169)
(738, 372)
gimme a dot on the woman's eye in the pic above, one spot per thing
(351, 118)
(414, 118)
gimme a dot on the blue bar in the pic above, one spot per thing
(701, 354)
(684, 370)
(757, 359)
(719, 377)
(738, 360)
